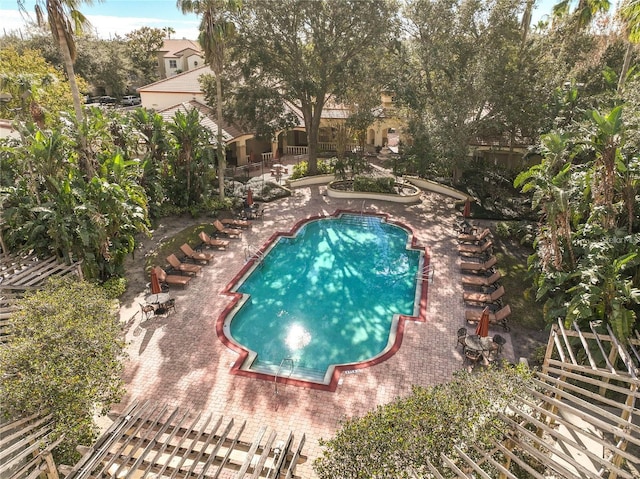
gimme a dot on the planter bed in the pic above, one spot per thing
(342, 189)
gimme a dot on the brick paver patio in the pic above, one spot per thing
(180, 361)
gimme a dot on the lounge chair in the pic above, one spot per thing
(191, 269)
(172, 279)
(230, 232)
(499, 317)
(479, 267)
(462, 226)
(480, 281)
(235, 223)
(475, 248)
(474, 238)
(194, 255)
(484, 298)
(213, 242)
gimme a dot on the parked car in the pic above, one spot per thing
(130, 100)
(105, 100)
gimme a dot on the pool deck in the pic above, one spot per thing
(179, 360)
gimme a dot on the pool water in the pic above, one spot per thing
(327, 295)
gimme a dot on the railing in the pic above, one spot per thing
(427, 275)
(267, 157)
(282, 363)
(297, 150)
(253, 253)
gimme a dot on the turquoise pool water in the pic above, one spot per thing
(327, 296)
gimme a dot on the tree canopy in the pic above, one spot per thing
(312, 52)
(397, 439)
(65, 359)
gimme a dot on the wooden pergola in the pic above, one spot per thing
(583, 420)
(25, 448)
(23, 272)
(153, 441)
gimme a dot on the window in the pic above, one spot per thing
(173, 63)
(195, 64)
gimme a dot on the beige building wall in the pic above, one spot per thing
(162, 100)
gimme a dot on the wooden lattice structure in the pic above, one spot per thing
(582, 420)
(23, 272)
(25, 449)
(152, 441)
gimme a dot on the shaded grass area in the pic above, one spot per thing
(189, 235)
(517, 284)
(529, 334)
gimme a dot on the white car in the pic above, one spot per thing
(130, 100)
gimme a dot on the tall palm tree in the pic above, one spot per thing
(64, 20)
(215, 30)
(629, 13)
(584, 12)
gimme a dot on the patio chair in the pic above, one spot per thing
(176, 264)
(482, 281)
(472, 356)
(229, 232)
(147, 310)
(235, 223)
(474, 238)
(169, 306)
(473, 267)
(254, 213)
(499, 317)
(172, 279)
(194, 255)
(462, 333)
(499, 341)
(213, 242)
(473, 249)
(484, 298)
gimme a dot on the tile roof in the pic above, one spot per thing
(175, 47)
(206, 113)
(186, 82)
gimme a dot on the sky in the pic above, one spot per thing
(113, 17)
(119, 17)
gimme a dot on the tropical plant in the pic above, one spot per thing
(215, 31)
(587, 254)
(53, 209)
(190, 150)
(64, 359)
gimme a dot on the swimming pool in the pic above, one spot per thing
(329, 295)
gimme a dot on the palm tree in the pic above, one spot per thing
(583, 14)
(629, 13)
(168, 31)
(64, 20)
(215, 30)
(190, 138)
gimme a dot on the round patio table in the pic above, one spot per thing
(477, 343)
(158, 298)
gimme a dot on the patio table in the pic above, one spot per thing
(477, 343)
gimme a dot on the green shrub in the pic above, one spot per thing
(115, 287)
(301, 169)
(374, 185)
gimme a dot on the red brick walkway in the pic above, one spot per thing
(180, 361)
